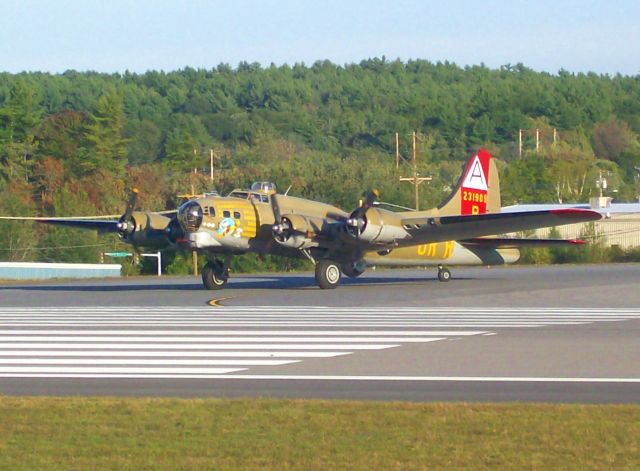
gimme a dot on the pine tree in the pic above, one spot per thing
(107, 148)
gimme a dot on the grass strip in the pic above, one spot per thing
(247, 434)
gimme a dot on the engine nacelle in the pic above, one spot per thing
(174, 231)
(147, 230)
(375, 226)
(298, 232)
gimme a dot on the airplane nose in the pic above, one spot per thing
(190, 216)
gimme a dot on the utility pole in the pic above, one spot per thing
(416, 180)
(195, 154)
(211, 164)
(537, 140)
(397, 151)
(520, 143)
(601, 183)
(555, 136)
(195, 172)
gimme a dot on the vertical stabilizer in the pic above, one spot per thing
(477, 190)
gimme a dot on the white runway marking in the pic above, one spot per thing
(212, 346)
(89, 370)
(166, 361)
(438, 333)
(209, 340)
(167, 354)
(199, 342)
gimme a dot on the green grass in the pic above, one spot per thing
(136, 434)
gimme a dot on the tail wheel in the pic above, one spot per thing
(444, 274)
(327, 274)
(214, 276)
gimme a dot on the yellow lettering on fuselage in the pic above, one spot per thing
(439, 250)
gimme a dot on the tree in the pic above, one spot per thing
(106, 146)
(145, 142)
(62, 244)
(184, 144)
(61, 136)
(611, 139)
(17, 144)
(16, 237)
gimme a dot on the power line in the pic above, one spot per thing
(53, 247)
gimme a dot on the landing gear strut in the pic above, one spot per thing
(215, 274)
(327, 274)
(443, 273)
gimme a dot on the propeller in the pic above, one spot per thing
(126, 224)
(281, 227)
(285, 227)
(357, 221)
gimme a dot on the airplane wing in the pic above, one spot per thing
(145, 229)
(101, 225)
(439, 229)
(515, 243)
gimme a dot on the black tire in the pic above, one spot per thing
(444, 274)
(214, 276)
(351, 271)
(328, 274)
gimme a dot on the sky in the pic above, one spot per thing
(139, 35)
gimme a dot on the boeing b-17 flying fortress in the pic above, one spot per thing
(339, 242)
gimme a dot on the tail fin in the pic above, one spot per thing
(477, 190)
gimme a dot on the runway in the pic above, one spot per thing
(58, 340)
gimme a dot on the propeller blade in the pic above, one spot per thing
(125, 226)
(370, 197)
(131, 204)
(279, 228)
(275, 207)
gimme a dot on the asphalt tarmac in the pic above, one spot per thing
(544, 334)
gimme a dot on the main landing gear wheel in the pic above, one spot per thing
(444, 274)
(214, 275)
(327, 274)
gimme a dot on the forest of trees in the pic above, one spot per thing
(73, 143)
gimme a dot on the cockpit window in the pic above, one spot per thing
(226, 214)
(264, 198)
(212, 211)
(236, 215)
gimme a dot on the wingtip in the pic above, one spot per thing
(575, 213)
